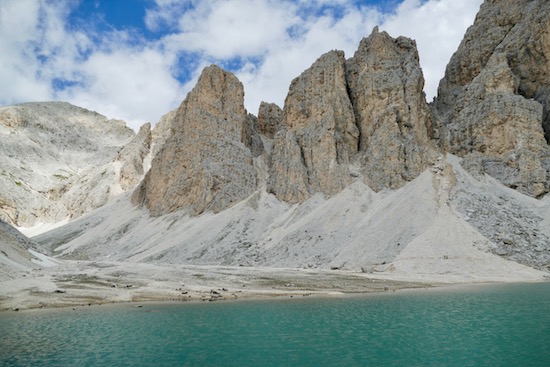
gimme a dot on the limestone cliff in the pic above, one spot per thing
(385, 83)
(204, 164)
(493, 103)
(162, 131)
(132, 156)
(270, 118)
(313, 151)
(498, 131)
(366, 115)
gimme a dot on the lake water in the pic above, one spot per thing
(500, 325)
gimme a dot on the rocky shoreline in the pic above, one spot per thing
(79, 283)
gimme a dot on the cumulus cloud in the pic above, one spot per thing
(266, 43)
(112, 72)
(130, 83)
(20, 72)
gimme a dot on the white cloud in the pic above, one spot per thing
(225, 29)
(119, 77)
(18, 71)
(130, 83)
(266, 43)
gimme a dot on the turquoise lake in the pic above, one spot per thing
(497, 325)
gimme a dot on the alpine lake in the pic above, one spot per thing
(483, 325)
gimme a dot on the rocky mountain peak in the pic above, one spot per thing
(385, 86)
(204, 164)
(342, 119)
(313, 150)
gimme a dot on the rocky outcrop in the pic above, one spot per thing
(520, 29)
(162, 131)
(385, 84)
(498, 131)
(251, 136)
(365, 116)
(313, 151)
(132, 156)
(270, 119)
(204, 164)
(493, 104)
(288, 179)
(56, 161)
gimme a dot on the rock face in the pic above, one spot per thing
(15, 258)
(313, 150)
(57, 161)
(132, 156)
(498, 131)
(270, 119)
(251, 136)
(162, 131)
(367, 115)
(493, 104)
(385, 83)
(204, 164)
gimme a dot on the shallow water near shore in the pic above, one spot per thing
(496, 325)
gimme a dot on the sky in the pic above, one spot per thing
(137, 59)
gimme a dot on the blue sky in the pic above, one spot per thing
(136, 59)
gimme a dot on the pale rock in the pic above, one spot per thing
(251, 136)
(319, 137)
(204, 164)
(497, 131)
(288, 179)
(162, 130)
(51, 151)
(520, 29)
(15, 258)
(270, 119)
(132, 156)
(385, 86)
(492, 107)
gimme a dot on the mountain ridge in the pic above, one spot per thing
(356, 172)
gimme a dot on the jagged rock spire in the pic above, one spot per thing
(385, 83)
(204, 165)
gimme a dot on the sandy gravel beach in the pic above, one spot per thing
(77, 283)
(82, 283)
